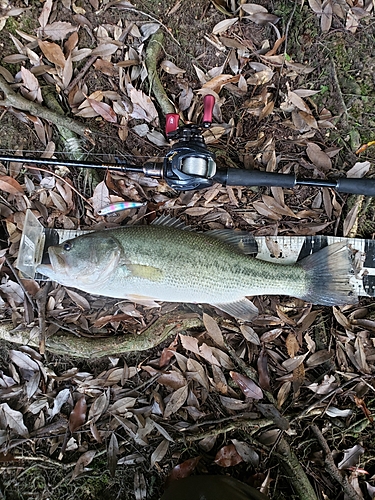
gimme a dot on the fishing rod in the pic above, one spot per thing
(190, 165)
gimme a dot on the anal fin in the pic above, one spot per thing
(143, 300)
(241, 309)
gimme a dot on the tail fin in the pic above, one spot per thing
(328, 273)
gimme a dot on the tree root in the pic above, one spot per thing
(97, 347)
(11, 99)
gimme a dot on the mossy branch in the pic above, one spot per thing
(152, 56)
(12, 99)
(64, 343)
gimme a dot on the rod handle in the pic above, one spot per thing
(356, 186)
(241, 177)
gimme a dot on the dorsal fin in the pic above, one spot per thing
(167, 220)
(241, 240)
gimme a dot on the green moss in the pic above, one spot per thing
(12, 25)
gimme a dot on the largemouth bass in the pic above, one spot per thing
(160, 263)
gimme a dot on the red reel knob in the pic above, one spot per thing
(208, 107)
(171, 123)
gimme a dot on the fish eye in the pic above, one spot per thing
(68, 245)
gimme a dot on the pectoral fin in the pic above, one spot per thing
(242, 309)
(146, 272)
(142, 300)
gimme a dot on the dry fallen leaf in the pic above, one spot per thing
(351, 457)
(247, 386)
(228, 456)
(10, 185)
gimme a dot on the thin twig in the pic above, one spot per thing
(81, 74)
(154, 19)
(333, 471)
(60, 178)
(41, 301)
(344, 109)
(255, 425)
(286, 33)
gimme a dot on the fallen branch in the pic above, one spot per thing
(12, 99)
(97, 347)
(293, 471)
(156, 87)
(288, 460)
(331, 468)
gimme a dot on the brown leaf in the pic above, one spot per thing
(246, 452)
(262, 209)
(182, 470)
(249, 334)
(173, 378)
(177, 399)
(267, 110)
(318, 157)
(298, 102)
(53, 53)
(112, 453)
(78, 299)
(104, 320)
(228, 456)
(271, 335)
(196, 372)
(359, 169)
(350, 220)
(318, 358)
(78, 415)
(316, 6)
(292, 345)
(83, 460)
(283, 393)
(170, 68)
(10, 185)
(217, 83)
(213, 330)
(247, 386)
(262, 365)
(105, 49)
(293, 363)
(46, 11)
(106, 67)
(32, 88)
(104, 110)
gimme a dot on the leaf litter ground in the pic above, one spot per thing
(295, 89)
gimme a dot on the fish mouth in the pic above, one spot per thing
(58, 262)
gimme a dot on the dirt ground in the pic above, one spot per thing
(298, 440)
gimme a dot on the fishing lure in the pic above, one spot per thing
(121, 205)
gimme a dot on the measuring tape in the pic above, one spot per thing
(286, 250)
